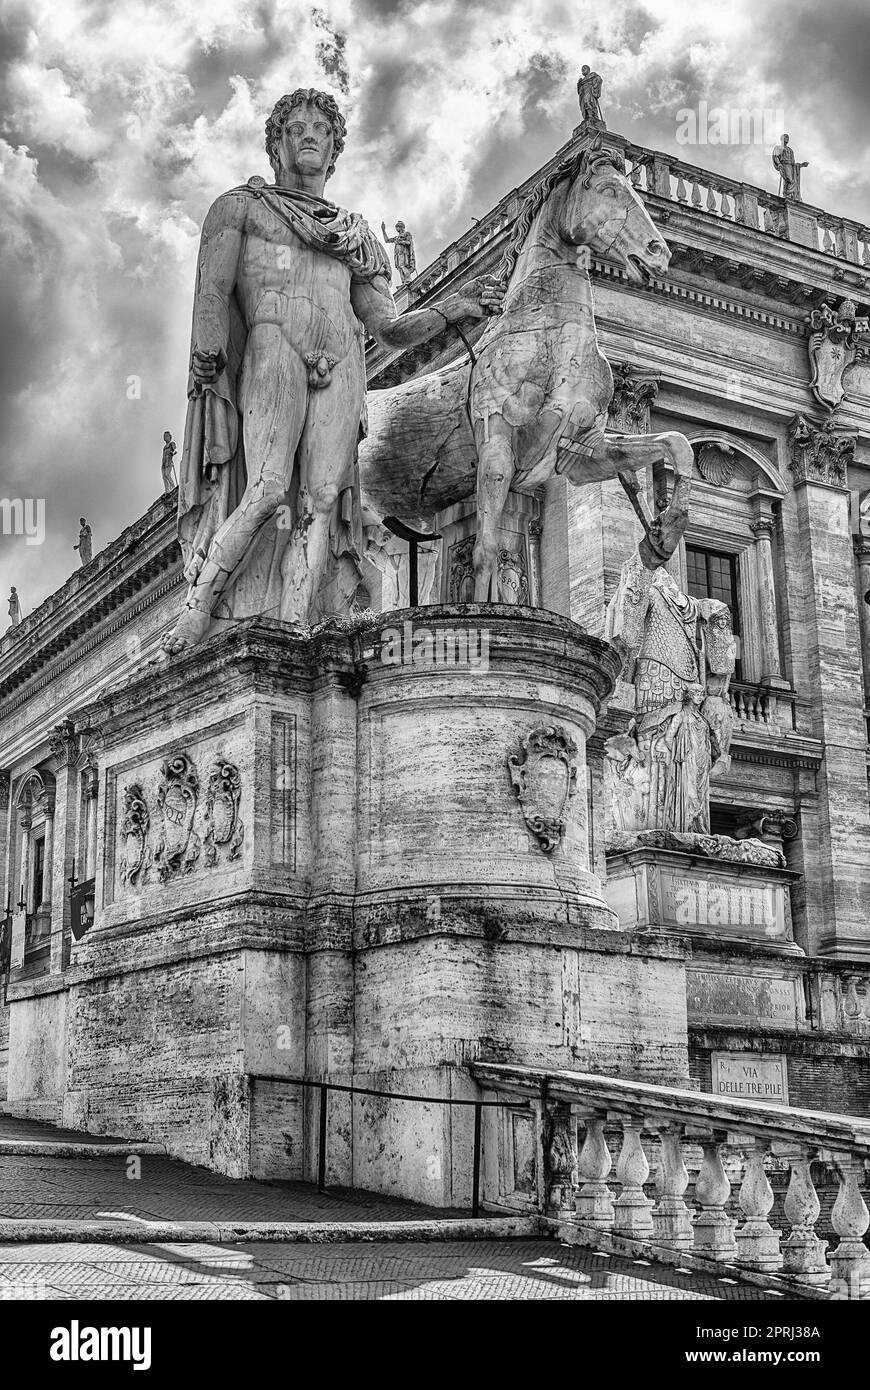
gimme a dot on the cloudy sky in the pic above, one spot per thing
(121, 123)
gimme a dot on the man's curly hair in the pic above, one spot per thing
(280, 114)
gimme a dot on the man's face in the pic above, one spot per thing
(306, 141)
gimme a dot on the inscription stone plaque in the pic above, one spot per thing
(717, 997)
(751, 1076)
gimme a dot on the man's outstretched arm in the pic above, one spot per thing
(373, 303)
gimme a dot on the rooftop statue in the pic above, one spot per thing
(85, 545)
(789, 171)
(288, 284)
(167, 467)
(406, 261)
(14, 607)
(589, 95)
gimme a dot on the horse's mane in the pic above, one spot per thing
(535, 200)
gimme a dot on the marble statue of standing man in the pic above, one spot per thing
(405, 259)
(288, 284)
(14, 607)
(789, 171)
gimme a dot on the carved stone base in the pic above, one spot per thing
(726, 900)
(360, 855)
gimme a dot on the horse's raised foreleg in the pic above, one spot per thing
(495, 469)
(609, 454)
(614, 454)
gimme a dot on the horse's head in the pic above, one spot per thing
(604, 212)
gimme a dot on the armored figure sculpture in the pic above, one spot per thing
(789, 171)
(288, 285)
(85, 545)
(589, 95)
(167, 467)
(406, 261)
(14, 607)
(679, 655)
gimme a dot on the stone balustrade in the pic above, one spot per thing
(762, 707)
(660, 1131)
(691, 187)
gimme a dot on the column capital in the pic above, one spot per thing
(633, 393)
(861, 546)
(820, 452)
(762, 526)
(63, 743)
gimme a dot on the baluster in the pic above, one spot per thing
(594, 1203)
(852, 1004)
(711, 200)
(672, 1220)
(560, 1158)
(713, 1227)
(632, 1208)
(726, 208)
(803, 1252)
(635, 174)
(757, 1241)
(696, 193)
(850, 1260)
(865, 254)
(681, 190)
(828, 243)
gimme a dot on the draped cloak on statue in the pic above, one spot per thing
(213, 475)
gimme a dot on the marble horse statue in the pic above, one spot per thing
(531, 397)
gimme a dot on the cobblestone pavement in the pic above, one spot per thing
(38, 1187)
(473, 1270)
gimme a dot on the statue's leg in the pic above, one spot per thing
(272, 400)
(495, 469)
(324, 460)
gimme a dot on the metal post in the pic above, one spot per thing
(475, 1179)
(413, 584)
(321, 1152)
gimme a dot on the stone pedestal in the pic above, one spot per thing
(711, 899)
(359, 856)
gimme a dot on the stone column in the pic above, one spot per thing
(19, 923)
(763, 529)
(64, 745)
(820, 454)
(91, 779)
(862, 557)
(6, 839)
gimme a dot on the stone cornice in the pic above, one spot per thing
(92, 604)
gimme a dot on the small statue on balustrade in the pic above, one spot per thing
(589, 95)
(404, 255)
(789, 170)
(679, 654)
(85, 545)
(167, 466)
(14, 607)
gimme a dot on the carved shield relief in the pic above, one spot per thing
(544, 775)
(135, 854)
(179, 845)
(223, 826)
